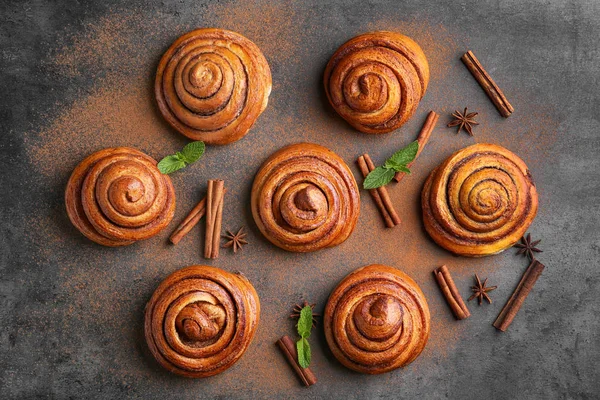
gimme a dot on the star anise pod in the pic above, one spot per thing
(298, 308)
(236, 240)
(463, 120)
(480, 291)
(527, 247)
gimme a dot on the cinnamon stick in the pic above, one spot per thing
(487, 84)
(375, 195)
(386, 207)
(214, 215)
(422, 138)
(288, 348)
(193, 217)
(209, 227)
(510, 310)
(216, 239)
(453, 298)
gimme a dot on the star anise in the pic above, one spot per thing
(463, 120)
(236, 240)
(480, 291)
(298, 308)
(527, 247)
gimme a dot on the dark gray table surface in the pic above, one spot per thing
(76, 77)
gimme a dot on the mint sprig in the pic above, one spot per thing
(303, 352)
(174, 162)
(305, 323)
(398, 162)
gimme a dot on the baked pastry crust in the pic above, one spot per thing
(376, 80)
(200, 320)
(305, 198)
(117, 196)
(212, 84)
(376, 320)
(479, 201)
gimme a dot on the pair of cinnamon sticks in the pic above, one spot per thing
(450, 291)
(380, 195)
(211, 206)
(509, 311)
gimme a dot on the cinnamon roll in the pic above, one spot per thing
(212, 84)
(479, 201)
(376, 80)
(304, 198)
(117, 196)
(376, 320)
(200, 320)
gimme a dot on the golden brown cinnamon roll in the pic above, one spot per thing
(212, 84)
(376, 320)
(117, 196)
(200, 320)
(479, 201)
(305, 198)
(376, 80)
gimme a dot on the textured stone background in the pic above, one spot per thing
(76, 76)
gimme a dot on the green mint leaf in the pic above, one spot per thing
(190, 153)
(405, 155)
(380, 176)
(403, 168)
(392, 165)
(170, 164)
(193, 151)
(304, 355)
(305, 322)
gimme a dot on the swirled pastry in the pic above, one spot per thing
(376, 320)
(479, 201)
(212, 84)
(376, 80)
(117, 196)
(304, 198)
(200, 320)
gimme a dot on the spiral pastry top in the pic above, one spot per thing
(200, 320)
(304, 198)
(479, 201)
(376, 80)
(212, 84)
(376, 320)
(117, 196)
